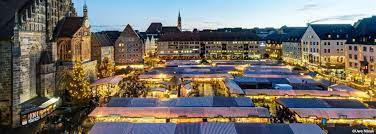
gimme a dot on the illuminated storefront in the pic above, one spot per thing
(39, 112)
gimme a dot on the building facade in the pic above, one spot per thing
(323, 46)
(28, 55)
(129, 48)
(360, 53)
(211, 45)
(292, 46)
(74, 45)
(101, 47)
(273, 46)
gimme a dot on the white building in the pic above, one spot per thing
(323, 45)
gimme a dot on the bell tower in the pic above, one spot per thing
(179, 22)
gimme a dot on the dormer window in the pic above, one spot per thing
(353, 40)
(337, 35)
(329, 36)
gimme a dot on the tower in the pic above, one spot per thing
(85, 10)
(179, 22)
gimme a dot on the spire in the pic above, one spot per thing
(85, 10)
(179, 22)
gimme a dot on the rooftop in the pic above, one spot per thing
(319, 103)
(210, 36)
(176, 112)
(203, 128)
(182, 102)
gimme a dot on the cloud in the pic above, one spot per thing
(340, 17)
(308, 7)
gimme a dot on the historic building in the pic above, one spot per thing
(129, 48)
(360, 53)
(273, 46)
(212, 45)
(291, 45)
(153, 33)
(324, 45)
(101, 47)
(27, 58)
(74, 45)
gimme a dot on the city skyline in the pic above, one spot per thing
(204, 14)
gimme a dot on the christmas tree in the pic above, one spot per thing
(79, 86)
(106, 68)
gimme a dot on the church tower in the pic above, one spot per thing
(179, 22)
(85, 11)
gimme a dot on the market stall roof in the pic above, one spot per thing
(319, 103)
(203, 128)
(175, 112)
(335, 113)
(110, 80)
(274, 92)
(212, 101)
(233, 87)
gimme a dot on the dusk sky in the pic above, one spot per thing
(203, 14)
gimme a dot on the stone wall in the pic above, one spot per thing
(5, 82)
(31, 45)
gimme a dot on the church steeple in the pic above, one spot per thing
(179, 22)
(85, 10)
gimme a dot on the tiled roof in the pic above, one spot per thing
(203, 128)
(210, 36)
(154, 28)
(365, 31)
(70, 26)
(101, 39)
(170, 29)
(113, 35)
(324, 30)
(293, 34)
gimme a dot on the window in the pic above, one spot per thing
(337, 43)
(356, 57)
(371, 58)
(364, 58)
(350, 47)
(370, 49)
(324, 50)
(324, 43)
(364, 49)
(350, 56)
(355, 48)
(328, 50)
(356, 64)
(328, 43)
(341, 43)
(350, 64)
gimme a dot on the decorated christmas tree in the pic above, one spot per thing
(79, 86)
(106, 68)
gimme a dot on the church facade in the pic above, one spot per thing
(29, 57)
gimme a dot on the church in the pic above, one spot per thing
(34, 45)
